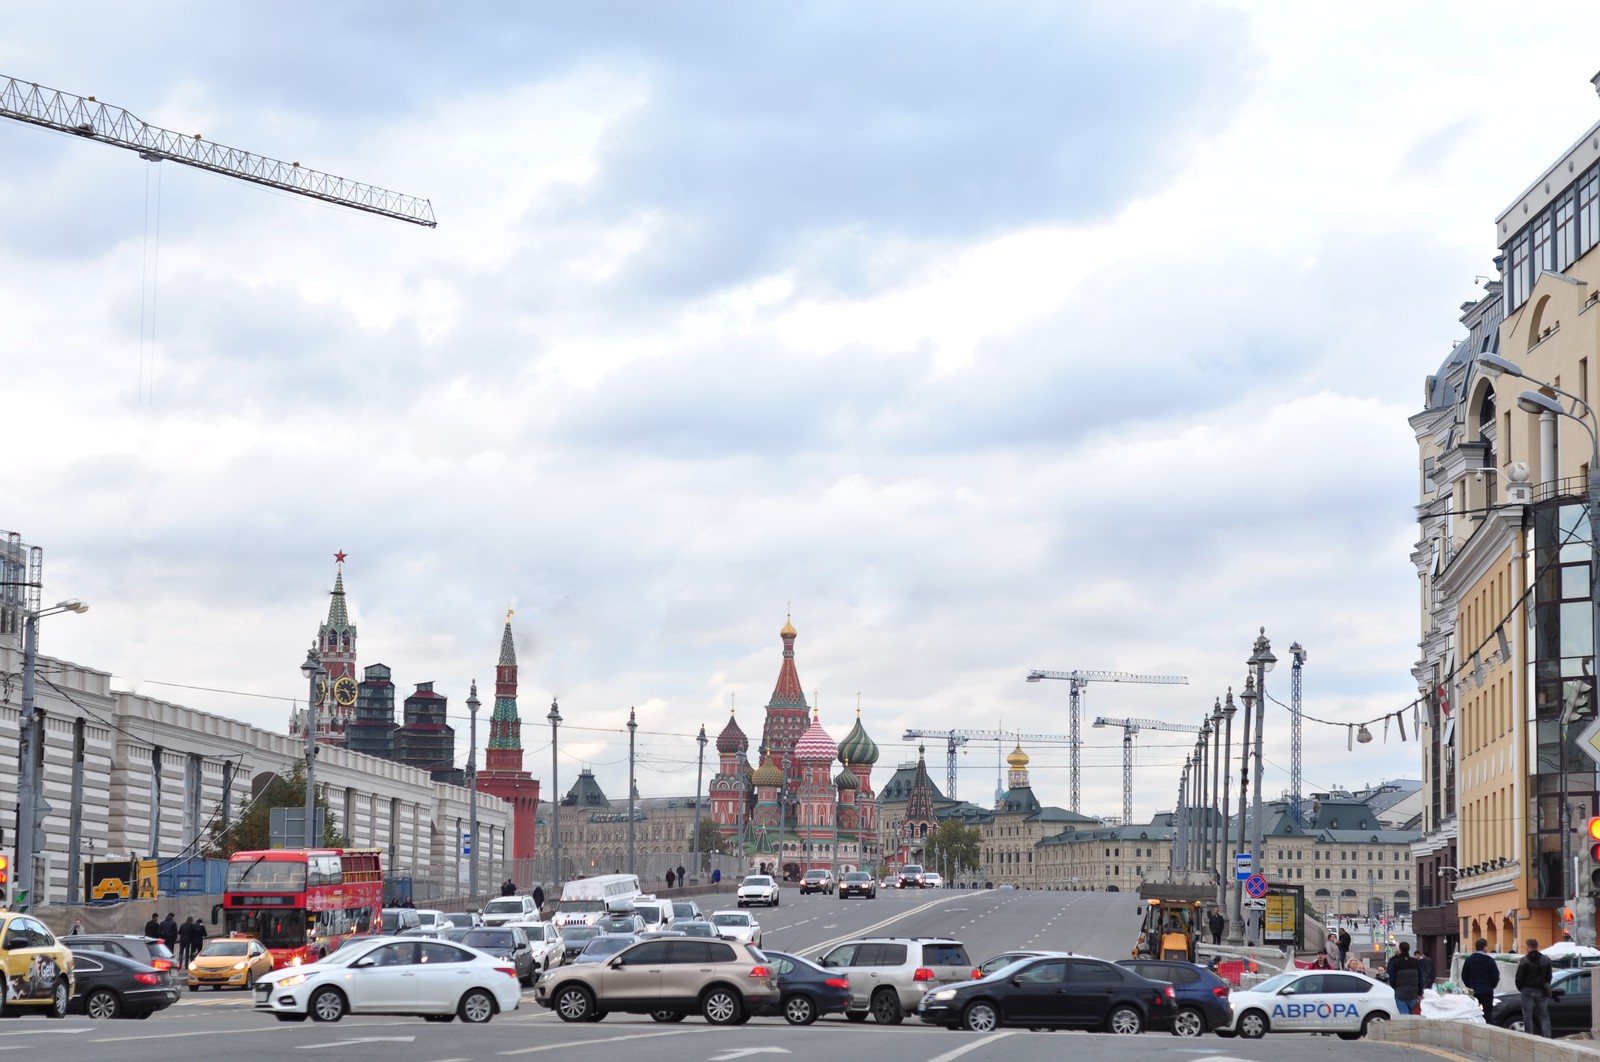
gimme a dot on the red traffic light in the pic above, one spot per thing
(5, 869)
(1594, 829)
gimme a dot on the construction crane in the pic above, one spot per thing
(1079, 679)
(1131, 727)
(87, 117)
(954, 739)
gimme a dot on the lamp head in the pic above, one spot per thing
(72, 604)
(1537, 402)
(554, 715)
(1492, 365)
(1248, 694)
(1261, 653)
(633, 723)
(312, 665)
(1364, 735)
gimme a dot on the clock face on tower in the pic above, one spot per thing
(344, 691)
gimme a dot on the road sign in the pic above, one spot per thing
(1255, 903)
(1589, 740)
(1256, 886)
(1242, 866)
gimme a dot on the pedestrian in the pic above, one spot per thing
(683, 878)
(1405, 977)
(509, 888)
(152, 928)
(671, 877)
(1322, 962)
(1344, 945)
(716, 876)
(408, 903)
(169, 932)
(186, 941)
(77, 928)
(538, 897)
(1533, 981)
(1216, 923)
(199, 936)
(1481, 975)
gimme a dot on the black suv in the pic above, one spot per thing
(149, 950)
(1055, 992)
(911, 877)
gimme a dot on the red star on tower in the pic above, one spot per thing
(340, 556)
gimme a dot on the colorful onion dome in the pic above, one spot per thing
(788, 628)
(815, 744)
(732, 740)
(857, 747)
(768, 774)
(1018, 758)
(845, 779)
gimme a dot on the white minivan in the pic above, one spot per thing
(657, 914)
(503, 909)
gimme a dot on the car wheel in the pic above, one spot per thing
(440, 1018)
(327, 1004)
(142, 1015)
(1349, 1036)
(721, 1006)
(102, 1004)
(857, 1016)
(1189, 1022)
(290, 1017)
(1252, 1025)
(60, 997)
(799, 1010)
(573, 1003)
(194, 988)
(476, 1007)
(980, 1017)
(1372, 1019)
(526, 982)
(1514, 1024)
(599, 1015)
(886, 1009)
(667, 1016)
(249, 980)
(1125, 1021)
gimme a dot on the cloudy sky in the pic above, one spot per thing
(994, 337)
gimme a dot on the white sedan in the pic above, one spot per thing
(1319, 1001)
(758, 888)
(737, 925)
(930, 880)
(434, 979)
(543, 937)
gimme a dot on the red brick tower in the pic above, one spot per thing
(503, 775)
(788, 715)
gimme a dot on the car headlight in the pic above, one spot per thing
(292, 980)
(241, 964)
(943, 994)
(295, 961)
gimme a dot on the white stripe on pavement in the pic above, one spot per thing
(951, 1056)
(608, 1040)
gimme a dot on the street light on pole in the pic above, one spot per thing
(554, 716)
(633, 725)
(1236, 919)
(1263, 661)
(316, 675)
(30, 812)
(699, 773)
(472, 785)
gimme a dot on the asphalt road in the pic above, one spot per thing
(215, 1024)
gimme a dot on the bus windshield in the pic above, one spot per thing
(275, 929)
(580, 906)
(266, 875)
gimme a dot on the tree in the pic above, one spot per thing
(952, 848)
(252, 830)
(712, 842)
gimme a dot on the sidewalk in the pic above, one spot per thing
(1485, 1041)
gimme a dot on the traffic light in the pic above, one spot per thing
(1593, 842)
(5, 875)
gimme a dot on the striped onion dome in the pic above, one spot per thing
(732, 740)
(845, 779)
(857, 747)
(815, 744)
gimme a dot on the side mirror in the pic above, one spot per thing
(15, 941)
(362, 964)
(615, 964)
(1289, 991)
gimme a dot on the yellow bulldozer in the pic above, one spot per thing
(1170, 922)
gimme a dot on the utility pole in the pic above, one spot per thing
(1262, 659)
(555, 797)
(1236, 922)
(633, 725)
(699, 774)
(31, 810)
(1224, 763)
(315, 674)
(472, 786)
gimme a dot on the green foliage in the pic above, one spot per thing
(252, 830)
(712, 842)
(952, 848)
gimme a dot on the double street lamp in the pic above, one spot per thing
(316, 676)
(554, 716)
(30, 746)
(633, 725)
(472, 785)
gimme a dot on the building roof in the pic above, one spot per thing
(898, 787)
(586, 793)
(815, 743)
(788, 692)
(732, 740)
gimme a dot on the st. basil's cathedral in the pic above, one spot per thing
(791, 813)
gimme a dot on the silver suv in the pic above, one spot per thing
(889, 975)
(667, 978)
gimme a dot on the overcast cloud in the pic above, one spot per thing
(992, 338)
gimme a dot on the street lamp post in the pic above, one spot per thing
(1218, 786)
(1180, 847)
(472, 786)
(554, 716)
(1236, 921)
(1263, 661)
(633, 725)
(699, 774)
(30, 830)
(315, 673)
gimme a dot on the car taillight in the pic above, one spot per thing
(1221, 991)
(147, 979)
(837, 982)
(922, 974)
(759, 972)
(510, 971)
(161, 964)
(977, 975)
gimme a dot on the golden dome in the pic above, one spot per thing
(1018, 759)
(788, 628)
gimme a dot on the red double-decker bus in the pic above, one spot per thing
(303, 903)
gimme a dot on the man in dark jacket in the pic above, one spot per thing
(1481, 974)
(1405, 977)
(1216, 923)
(152, 928)
(186, 941)
(198, 937)
(1533, 981)
(1344, 946)
(509, 888)
(169, 932)
(538, 897)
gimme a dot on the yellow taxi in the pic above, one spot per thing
(229, 962)
(37, 968)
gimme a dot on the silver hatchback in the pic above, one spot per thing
(889, 975)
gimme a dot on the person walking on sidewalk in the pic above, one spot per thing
(1481, 974)
(1533, 981)
(1344, 945)
(1216, 923)
(1405, 977)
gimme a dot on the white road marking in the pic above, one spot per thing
(951, 1056)
(362, 1040)
(43, 1032)
(608, 1040)
(743, 1052)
